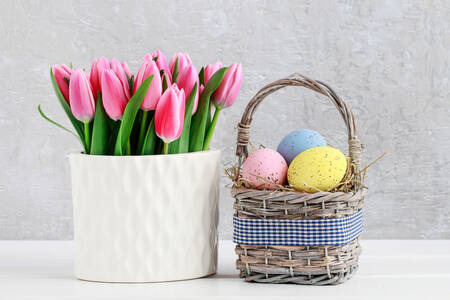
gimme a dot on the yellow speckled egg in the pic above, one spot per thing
(317, 169)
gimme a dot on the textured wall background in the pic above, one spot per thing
(389, 59)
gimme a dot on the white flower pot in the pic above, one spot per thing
(145, 218)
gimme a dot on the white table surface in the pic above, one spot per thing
(389, 269)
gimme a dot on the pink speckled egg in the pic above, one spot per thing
(265, 169)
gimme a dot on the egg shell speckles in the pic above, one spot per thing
(298, 141)
(319, 168)
(265, 169)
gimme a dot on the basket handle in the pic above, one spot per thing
(296, 79)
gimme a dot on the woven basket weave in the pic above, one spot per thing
(312, 265)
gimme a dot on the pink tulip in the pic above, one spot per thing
(81, 97)
(117, 67)
(183, 61)
(147, 69)
(96, 73)
(127, 69)
(62, 74)
(114, 98)
(186, 81)
(169, 114)
(228, 90)
(161, 62)
(66, 68)
(211, 69)
(148, 57)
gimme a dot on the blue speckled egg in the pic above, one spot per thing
(298, 141)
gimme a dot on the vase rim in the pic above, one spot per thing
(154, 156)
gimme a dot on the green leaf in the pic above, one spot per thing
(148, 147)
(210, 128)
(181, 145)
(175, 72)
(100, 130)
(129, 115)
(78, 125)
(200, 118)
(56, 123)
(165, 84)
(131, 83)
(208, 117)
(113, 127)
(134, 136)
(201, 76)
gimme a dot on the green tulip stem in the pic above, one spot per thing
(165, 148)
(87, 137)
(142, 130)
(128, 150)
(211, 128)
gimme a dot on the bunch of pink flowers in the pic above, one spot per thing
(164, 108)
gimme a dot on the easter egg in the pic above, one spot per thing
(317, 169)
(298, 141)
(265, 169)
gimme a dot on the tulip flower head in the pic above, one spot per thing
(97, 69)
(81, 97)
(62, 74)
(161, 62)
(127, 69)
(229, 87)
(211, 69)
(118, 69)
(116, 112)
(169, 114)
(114, 98)
(147, 69)
(186, 81)
(183, 61)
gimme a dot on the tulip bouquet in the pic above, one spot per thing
(163, 109)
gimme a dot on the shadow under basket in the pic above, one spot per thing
(297, 237)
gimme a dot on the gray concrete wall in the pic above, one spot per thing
(389, 59)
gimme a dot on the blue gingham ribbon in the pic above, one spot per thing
(318, 232)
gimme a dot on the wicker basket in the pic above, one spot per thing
(299, 264)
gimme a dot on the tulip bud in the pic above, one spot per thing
(147, 69)
(211, 69)
(229, 87)
(62, 74)
(96, 73)
(183, 61)
(80, 95)
(161, 62)
(127, 69)
(117, 67)
(169, 114)
(186, 81)
(148, 57)
(114, 98)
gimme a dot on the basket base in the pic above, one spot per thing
(318, 265)
(335, 279)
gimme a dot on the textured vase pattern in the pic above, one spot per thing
(145, 218)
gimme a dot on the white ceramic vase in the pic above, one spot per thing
(145, 218)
